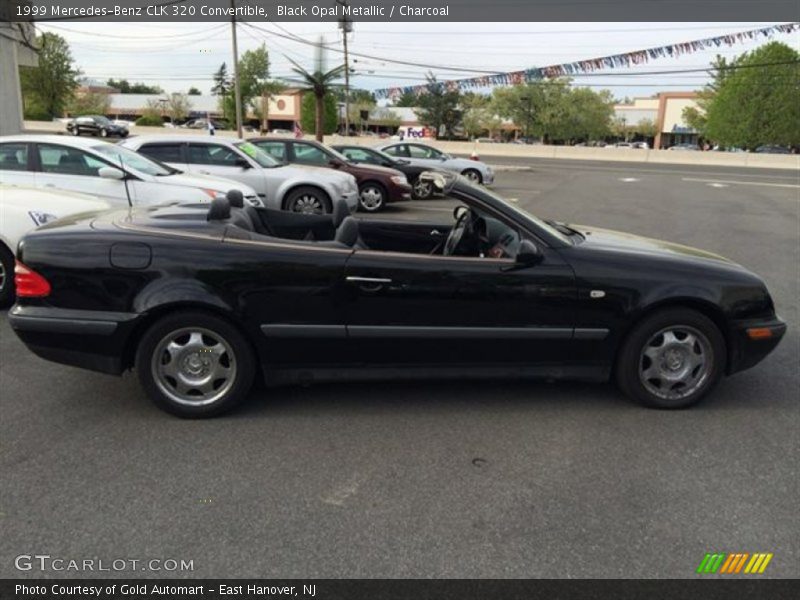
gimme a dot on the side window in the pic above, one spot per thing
(163, 152)
(398, 150)
(359, 155)
(422, 152)
(309, 155)
(212, 154)
(13, 157)
(276, 150)
(68, 161)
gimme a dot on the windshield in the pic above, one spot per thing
(530, 217)
(129, 159)
(257, 154)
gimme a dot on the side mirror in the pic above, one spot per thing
(528, 254)
(111, 173)
(243, 163)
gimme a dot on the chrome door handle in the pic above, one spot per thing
(368, 280)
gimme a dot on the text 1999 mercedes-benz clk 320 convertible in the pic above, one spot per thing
(201, 301)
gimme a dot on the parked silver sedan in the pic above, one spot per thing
(280, 186)
(427, 156)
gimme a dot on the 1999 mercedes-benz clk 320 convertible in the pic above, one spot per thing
(202, 300)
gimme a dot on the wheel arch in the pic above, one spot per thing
(705, 307)
(156, 313)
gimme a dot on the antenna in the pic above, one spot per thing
(125, 180)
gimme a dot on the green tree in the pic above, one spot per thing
(125, 87)
(222, 82)
(89, 103)
(406, 100)
(321, 84)
(479, 115)
(309, 111)
(646, 128)
(178, 107)
(193, 91)
(151, 116)
(47, 88)
(759, 101)
(439, 106)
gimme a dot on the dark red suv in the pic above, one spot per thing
(376, 185)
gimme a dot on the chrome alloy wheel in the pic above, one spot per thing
(308, 205)
(422, 189)
(194, 366)
(371, 198)
(675, 362)
(473, 176)
(3, 276)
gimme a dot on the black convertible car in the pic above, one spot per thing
(201, 301)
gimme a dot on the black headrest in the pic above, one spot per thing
(220, 210)
(347, 232)
(235, 198)
(340, 211)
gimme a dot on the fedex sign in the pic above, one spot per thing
(415, 132)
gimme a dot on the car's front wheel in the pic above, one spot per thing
(195, 365)
(75, 131)
(422, 190)
(671, 359)
(473, 175)
(371, 197)
(6, 276)
(103, 133)
(308, 200)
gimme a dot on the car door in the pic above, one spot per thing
(293, 295)
(68, 168)
(207, 158)
(16, 166)
(437, 311)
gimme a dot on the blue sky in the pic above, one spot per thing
(176, 56)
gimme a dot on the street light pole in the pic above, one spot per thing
(236, 91)
(346, 26)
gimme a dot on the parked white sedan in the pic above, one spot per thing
(422, 155)
(281, 186)
(105, 170)
(25, 208)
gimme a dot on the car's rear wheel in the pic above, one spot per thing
(422, 190)
(371, 197)
(195, 365)
(672, 359)
(6, 276)
(473, 175)
(308, 200)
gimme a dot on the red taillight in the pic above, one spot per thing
(29, 283)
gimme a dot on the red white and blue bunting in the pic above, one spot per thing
(615, 61)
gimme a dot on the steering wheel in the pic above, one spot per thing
(457, 232)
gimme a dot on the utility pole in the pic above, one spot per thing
(237, 92)
(346, 26)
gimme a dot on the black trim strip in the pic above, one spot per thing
(369, 331)
(76, 326)
(304, 331)
(588, 333)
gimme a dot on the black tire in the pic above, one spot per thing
(236, 352)
(303, 194)
(421, 190)
(473, 175)
(375, 200)
(633, 364)
(7, 291)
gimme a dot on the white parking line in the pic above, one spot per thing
(730, 182)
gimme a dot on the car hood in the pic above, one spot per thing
(635, 244)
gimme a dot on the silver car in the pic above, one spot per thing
(280, 186)
(423, 155)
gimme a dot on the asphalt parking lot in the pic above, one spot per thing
(437, 479)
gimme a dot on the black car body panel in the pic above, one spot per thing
(390, 306)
